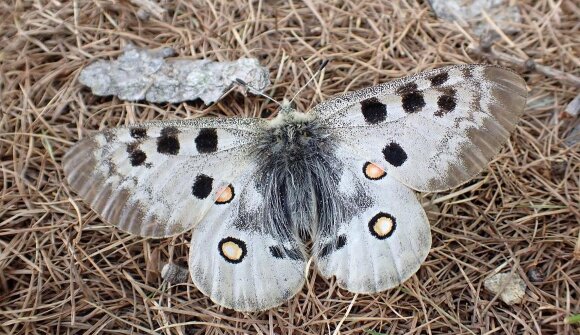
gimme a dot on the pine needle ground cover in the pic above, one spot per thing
(63, 270)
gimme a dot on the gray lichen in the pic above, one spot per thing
(140, 74)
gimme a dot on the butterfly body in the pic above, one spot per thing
(341, 177)
(298, 168)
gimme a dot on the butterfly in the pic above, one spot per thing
(335, 184)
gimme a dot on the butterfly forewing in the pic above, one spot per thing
(434, 130)
(150, 179)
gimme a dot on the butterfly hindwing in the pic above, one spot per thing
(434, 130)
(159, 178)
(237, 262)
(383, 241)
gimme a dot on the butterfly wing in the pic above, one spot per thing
(434, 130)
(431, 131)
(237, 262)
(163, 178)
(385, 238)
(159, 178)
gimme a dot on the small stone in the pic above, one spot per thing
(573, 108)
(174, 274)
(573, 137)
(535, 275)
(143, 14)
(510, 287)
(558, 169)
(529, 65)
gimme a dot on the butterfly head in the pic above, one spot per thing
(287, 107)
(288, 114)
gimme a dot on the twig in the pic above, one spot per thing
(484, 48)
(337, 330)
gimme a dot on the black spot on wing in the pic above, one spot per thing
(326, 250)
(408, 88)
(446, 103)
(413, 102)
(168, 143)
(206, 141)
(277, 251)
(138, 132)
(341, 242)
(280, 252)
(333, 246)
(373, 110)
(394, 154)
(294, 254)
(202, 186)
(439, 79)
(136, 156)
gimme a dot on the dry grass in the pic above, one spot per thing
(64, 271)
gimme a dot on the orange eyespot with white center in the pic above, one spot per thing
(232, 249)
(373, 171)
(382, 225)
(225, 195)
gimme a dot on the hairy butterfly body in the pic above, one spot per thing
(342, 176)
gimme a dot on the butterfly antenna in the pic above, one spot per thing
(320, 68)
(255, 91)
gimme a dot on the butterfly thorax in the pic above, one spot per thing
(293, 139)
